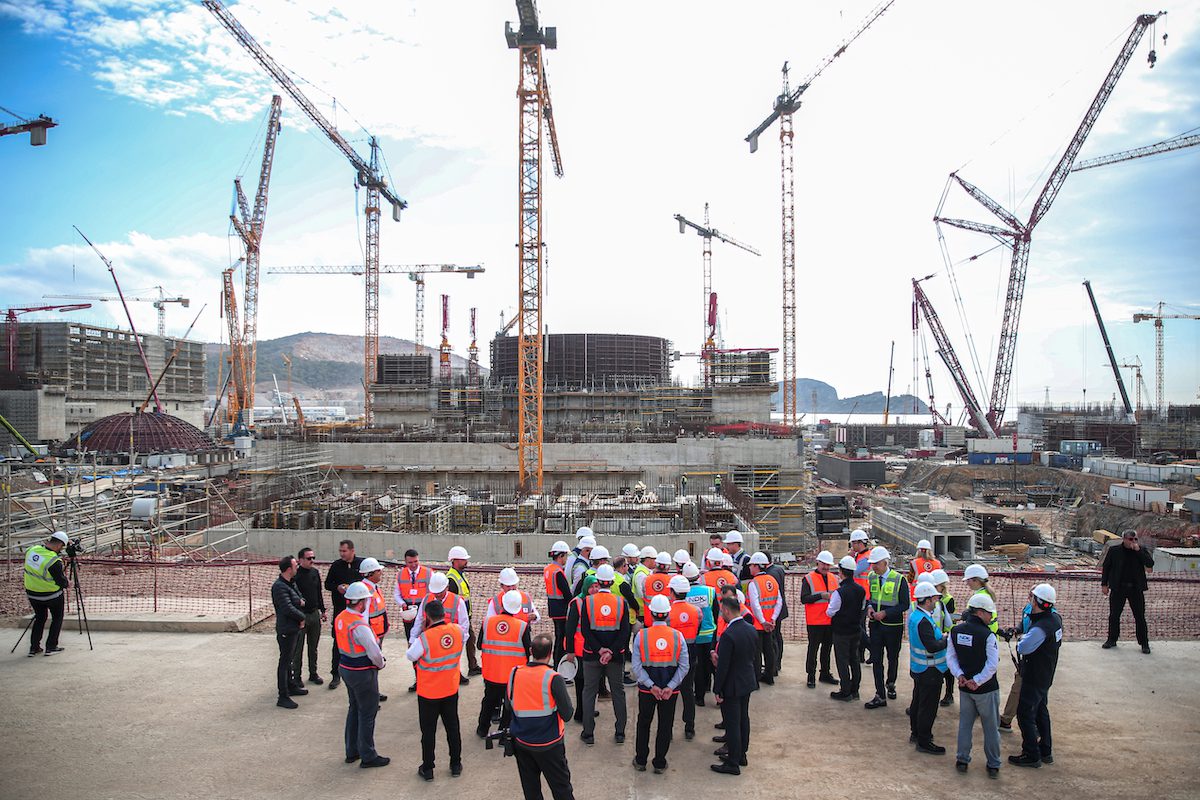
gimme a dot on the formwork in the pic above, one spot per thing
(403, 370)
(588, 360)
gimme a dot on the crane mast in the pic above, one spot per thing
(1160, 407)
(473, 356)
(1112, 358)
(975, 411)
(238, 410)
(444, 371)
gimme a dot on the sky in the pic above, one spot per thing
(159, 109)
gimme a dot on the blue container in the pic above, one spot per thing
(999, 458)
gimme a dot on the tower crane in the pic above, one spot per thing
(367, 175)
(785, 105)
(535, 111)
(1165, 146)
(708, 233)
(1159, 379)
(473, 356)
(415, 272)
(444, 372)
(1139, 384)
(239, 412)
(1017, 234)
(160, 303)
(36, 127)
(10, 324)
(1112, 359)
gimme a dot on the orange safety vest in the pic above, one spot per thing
(550, 574)
(919, 565)
(605, 610)
(685, 618)
(410, 590)
(656, 583)
(718, 579)
(659, 649)
(578, 601)
(533, 708)
(437, 668)
(864, 581)
(502, 648)
(722, 625)
(353, 655)
(768, 596)
(526, 612)
(814, 613)
(377, 610)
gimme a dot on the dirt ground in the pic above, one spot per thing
(150, 715)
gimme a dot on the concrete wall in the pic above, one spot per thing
(38, 414)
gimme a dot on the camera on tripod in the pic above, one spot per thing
(502, 736)
(75, 547)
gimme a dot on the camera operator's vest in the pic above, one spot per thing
(535, 720)
(38, 561)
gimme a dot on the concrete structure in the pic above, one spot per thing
(902, 522)
(39, 414)
(850, 472)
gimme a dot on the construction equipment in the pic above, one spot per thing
(287, 361)
(159, 303)
(367, 175)
(708, 233)
(240, 414)
(1160, 407)
(1139, 384)
(170, 360)
(1017, 235)
(21, 440)
(10, 325)
(534, 111)
(415, 272)
(975, 412)
(785, 105)
(1112, 359)
(1165, 146)
(473, 356)
(444, 371)
(36, 127)
(887, 400)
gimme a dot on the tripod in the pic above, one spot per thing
(80, 609)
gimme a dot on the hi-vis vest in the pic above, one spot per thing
(550, 574)
(464, 588)
(437, 668)
(768, 597)
(502, 648)
(704, 600)
(38, 561)
(814, 613)
(719, 578)
(526, 612)
(685, 618)
(659, 648)
(864, 581)
(994, 625)
(410, 590)
(919, 565)
(578, 643)
(354, 655)
(640, 569)
(885, 593)
(377, 610)
(921, 659)
(535, 718)
(604, 611)
(656, 583)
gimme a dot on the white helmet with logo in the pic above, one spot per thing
(691, 571)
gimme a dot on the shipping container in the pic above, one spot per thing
(999, 458)
(1079, 447)
(1138, 497)
(1066, 461)
(1000, 446)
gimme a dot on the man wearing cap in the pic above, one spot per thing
(921, 563)
(764, 597)
(1038, 652)
(733, 542)
(605, 625)
(558, 594)
(377, 616)
(509, 581)
(361, 660)
(860, 550)
(660, 665)
(927, 656)
(704, 598)
(289, 622)
(454, 612)
(540, 706)
(1123, 579)
(972, 658)
(435, 653)
(816, 590)
(342, 572)
(845, 622)
(504, 642)
(45, 582)
(459, 558)
(887, 600)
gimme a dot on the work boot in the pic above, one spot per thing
(335, 681)
(812, 682)
(1005, 724)
(1025, 760)
(828, 678)
(315, 678)
(377, 761)
(844, 697)
(875, 702)
(1109, 645)
(287, 702)
(297, 692)
(473, 671)
(891, 691)
(1146, 649)
(948, 700)
(931, 748)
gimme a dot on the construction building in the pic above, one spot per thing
(901, 522)
(1177, 430)
(848, 472)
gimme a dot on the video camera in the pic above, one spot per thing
(502, 736)
(75, 547)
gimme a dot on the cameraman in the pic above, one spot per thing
(539, 711)
(44, 585)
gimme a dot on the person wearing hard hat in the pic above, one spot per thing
(504, 640)
(972, 659)
(733, 543)
(509, 581)
(341, 573)
(631, 551)
(558, 594)
(816, 590)
(944, 614)
(435, 653)
(764, 598)
(845, 623)
(680, 558)
(605, 625)
(459, 558)
(1038, 652)
(860, 549)
(623, 581)
(656, 583)
(578, 561)
(361, 660)
(716, 576)
(412, 587)
(887, 600)
(683, 481)
(737, 594)
(45, 583)
(685, 618)
(540, 706)
(927, 663)
(1009, 713)
(372, 576)
(643, 568)
(1123, 579)
(921, 563)
(976, 578)
(776, 571)
(597, 557)
(454, 612)
(704, 598)
(661, 662)
(574, 634)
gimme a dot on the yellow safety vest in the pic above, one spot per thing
(464, 588)
(885, 591)
(38, 561)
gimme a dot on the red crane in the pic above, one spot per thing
(10, 324)
(473, 356)
(975, 412)
(1017, 234)
(444, 371)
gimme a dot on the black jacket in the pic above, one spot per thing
(737, 661)
(308, 581)
(777, 572)
(1125, 567)
(289, 606)
(340, 572)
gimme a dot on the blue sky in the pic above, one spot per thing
(160, 109)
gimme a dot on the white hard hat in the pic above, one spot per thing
(511, 602)
(759, 558)
(357, 591)
(584, 531)
(61, 536)
(848, 562)
(604, 573)
(733, 537)
(925, 590)
(508, 577)
(369, 565)
(879, 554)
(714, 555)
(663, 558)
(726, 560)
(926, 577)
(825, 557)
(559, 547)
(630, 550)
(648, 552)
(940, 577)
(458, 554)
(859, 535)
(408, 613)
(924, 545)
(983, 600)
(587, 543)
(659, 604)
(975, 571)
(599, 551)
(1045, 592)
(681, 556)
(438, 582)
(679, 584)
(690, 571)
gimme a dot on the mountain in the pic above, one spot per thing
(828, 400)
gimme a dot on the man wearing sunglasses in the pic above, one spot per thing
(1123, 579)
(308, 582)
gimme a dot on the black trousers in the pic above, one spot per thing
(493, 698)
(820, 642)
(648, 707)
(1033, 717)
(560, 634)
(55, 609)
(310, 636)
(702, 670)
(777, 638)
(927, 691)
(428, 714)
(846, 653)
(287, 649)
(885, 638)
(735, 713)
(1117, 597)
(534, 763)
(687, 688)
(766, 656)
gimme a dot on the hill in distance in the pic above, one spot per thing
(828, 400)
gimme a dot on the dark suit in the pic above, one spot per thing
(736, 677)
(1124, 573)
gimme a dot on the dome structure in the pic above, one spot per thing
(141, 433)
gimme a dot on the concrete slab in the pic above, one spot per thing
(233, 619)
(168, 715)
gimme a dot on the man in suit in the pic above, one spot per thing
(1123, 579)
(736, 677)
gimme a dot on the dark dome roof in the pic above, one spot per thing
(150, 433)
